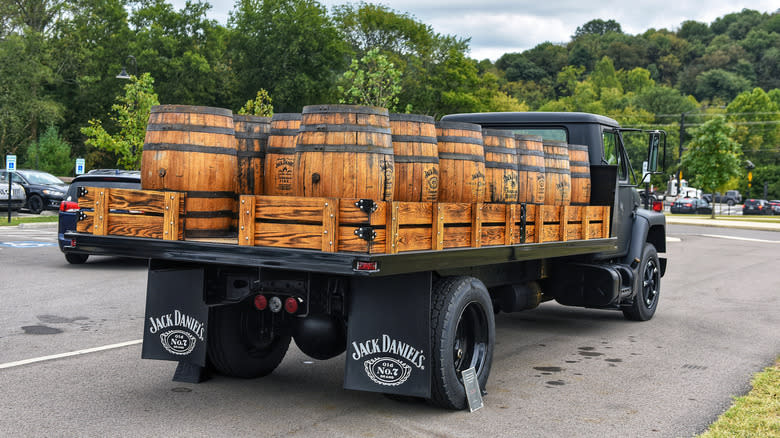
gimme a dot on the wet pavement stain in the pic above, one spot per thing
(546, 374)
(587, 348)
(556, 382)
(590, 353)
(40, 330)
(572, 361)
(614, 360)
(549, 369)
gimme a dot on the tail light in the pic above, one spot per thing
(69, 206)
(291, 305)
(688, 205)
(261, 302)
(658, 206)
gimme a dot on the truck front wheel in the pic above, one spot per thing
(648, 287)
(242, 342)
(463, 332)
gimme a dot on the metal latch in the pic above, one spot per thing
(367, 205)
(82, 191)
(366, 233)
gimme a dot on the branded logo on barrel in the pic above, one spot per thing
(384, 369)
(179, 332)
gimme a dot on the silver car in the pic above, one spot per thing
(18, 196)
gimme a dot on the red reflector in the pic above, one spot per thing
(658, 206)
(688, 205)
(291, 305)
(366, 266)
(69, 206)
(73, 242)
(261, 302)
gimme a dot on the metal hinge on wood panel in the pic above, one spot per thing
(82, 191)
(366, 233)
(81, 216)
(367, 205)
(522, 223)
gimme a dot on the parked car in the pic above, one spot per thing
(756, 206)
(43, 190)
(691, 206)
(18, 198)
(69, 209)
(775, 206)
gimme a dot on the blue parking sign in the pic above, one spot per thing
(10, 163)
(79, 166)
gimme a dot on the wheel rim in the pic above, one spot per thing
(471, 340)
(36, 204)
(650, 280)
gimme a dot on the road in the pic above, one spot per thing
(557, 371)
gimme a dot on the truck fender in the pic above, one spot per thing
(648, 227)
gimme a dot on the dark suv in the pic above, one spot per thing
(44, 190)
(69, 209)
(756, 206)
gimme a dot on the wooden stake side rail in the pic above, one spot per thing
(346, 225)
(126, 212)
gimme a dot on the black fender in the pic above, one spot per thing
(649, 226)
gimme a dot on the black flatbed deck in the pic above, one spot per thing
(338, 263)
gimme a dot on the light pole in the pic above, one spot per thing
(680, 150)
(123, 74)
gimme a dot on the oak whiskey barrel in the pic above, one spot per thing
(557, 187)
(461, 162)
(579, 165)
(500, 166)
(192, 149)
(280, 154)
(530, 169)
(345, 151)
(252, 142)
(416, 158)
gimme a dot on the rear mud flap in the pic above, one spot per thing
(175, 325)
(388, 339)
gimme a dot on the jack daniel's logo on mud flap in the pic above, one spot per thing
(179, 333)
(384, 370)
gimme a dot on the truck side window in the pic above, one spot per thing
(612, 153)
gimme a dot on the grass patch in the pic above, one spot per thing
(25, 220)
(756, 414)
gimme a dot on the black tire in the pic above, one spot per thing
(463, 333)
(35, 204)
(75, 258)
(730, 203)
(648, 287)
(235, 347)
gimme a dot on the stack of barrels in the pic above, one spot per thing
(348, 151)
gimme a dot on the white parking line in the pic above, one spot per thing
(69, 354)
(746, 239)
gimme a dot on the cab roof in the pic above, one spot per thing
(539, 118)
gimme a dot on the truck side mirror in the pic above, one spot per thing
(654, 146)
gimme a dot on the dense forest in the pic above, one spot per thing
(59, 60)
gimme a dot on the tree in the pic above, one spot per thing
(50, 153)
(598, 27)
(372, 81)
(712, 157)
(262, 105)
(755, 114)
(131, 113)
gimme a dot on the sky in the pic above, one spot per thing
(505, 26)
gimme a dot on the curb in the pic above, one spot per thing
(759, 226)
(39, 225)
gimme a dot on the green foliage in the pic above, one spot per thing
(50, 153)
(372, 81)
(130, 115)
(712, 157)
(262, 105)
(755, 115)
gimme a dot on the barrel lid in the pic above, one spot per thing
(191, 109)
(498, 133)
(459, 125)
(252, 119)
(397, 117)
(352, 109)
(286, 116)
(528, 137)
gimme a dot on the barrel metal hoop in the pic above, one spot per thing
(343, 127)
(460, 139)
(421, 118)
(500, 165)
(280, 151)
(555, 170)
(557, 157)
(416, 159)
(500, 150)
(191, 109)
(286, 132)
(464, 157)
(247, 118)
(359, 149)
(522, 167)
(252, 135)
(286, 117)
(189, 128)
(579, 163)
(251, 154)
(530, 152)
(414, 139)
(183, 147)
(580, 175)
(347, 109)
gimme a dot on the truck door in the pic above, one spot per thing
(627, 198)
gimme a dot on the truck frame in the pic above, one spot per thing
(409, 322)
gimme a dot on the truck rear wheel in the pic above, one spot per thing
(463, 332)
(237, 345)
(648, 287)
